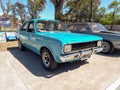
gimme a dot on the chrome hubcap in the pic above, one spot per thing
(105, 46)
(46, 59)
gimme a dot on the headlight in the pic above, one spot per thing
(99, 43)
(67, 48)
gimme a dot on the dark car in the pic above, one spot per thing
(111, 39)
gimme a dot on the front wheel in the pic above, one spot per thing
(47, 60)
(107, 47)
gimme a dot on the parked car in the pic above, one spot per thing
(111, 39)
(46, 38)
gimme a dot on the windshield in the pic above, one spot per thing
(96, 27)
(43, 26)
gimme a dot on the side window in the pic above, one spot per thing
(41, 26)
(51, 26)
(87, 28)
(31, 27)
(80, 27)
(83, 29)
(24, 27)
(71, 27)
(59, 26)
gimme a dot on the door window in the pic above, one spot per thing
(31, 27)
(24, 27)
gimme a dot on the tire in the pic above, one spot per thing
(107, 47)
(47, 60)
(20, 46)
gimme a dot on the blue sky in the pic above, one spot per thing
(105, 3)
(49, 11)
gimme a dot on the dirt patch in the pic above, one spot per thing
(6, 45)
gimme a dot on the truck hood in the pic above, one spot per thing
(69, 38)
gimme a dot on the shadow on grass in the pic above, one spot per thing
(33, 63)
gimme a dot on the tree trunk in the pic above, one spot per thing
(113, 21)
(58, 4)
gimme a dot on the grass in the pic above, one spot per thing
(7, 29)
(6, 45)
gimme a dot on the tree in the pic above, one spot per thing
(6, 7)
(21, 11)
(106, 19)
(76, 8)
(80, 9)
(58, 4)
(13, 16)
(100, 13)
(35, 7)
(115, 6)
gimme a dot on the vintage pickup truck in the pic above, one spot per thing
(46, 38)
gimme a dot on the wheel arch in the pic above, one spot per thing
(43, 47)
(109, 42)
(49, 49)
(111, 49)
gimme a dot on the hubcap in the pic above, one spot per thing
(106, 46)
(46, 59)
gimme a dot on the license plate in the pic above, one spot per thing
(86, 54)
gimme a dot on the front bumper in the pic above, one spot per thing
(82, 55)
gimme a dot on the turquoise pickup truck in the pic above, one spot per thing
(47, 38)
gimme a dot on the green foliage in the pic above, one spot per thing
(114, 5)
(21, 11)
(116, 8)
(79, 10)
(100, 13)
(107, 19)
(18, 9)
(76, 9)
(35, 7)
(65, 10)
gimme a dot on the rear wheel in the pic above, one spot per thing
(47, 60)
(20, 46)
(107, 47)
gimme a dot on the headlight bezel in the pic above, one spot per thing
(67, 48)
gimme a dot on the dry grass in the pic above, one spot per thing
(6, 45)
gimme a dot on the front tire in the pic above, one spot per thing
(107, 47)
(47, 60)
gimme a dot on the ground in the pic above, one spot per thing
(24, 71)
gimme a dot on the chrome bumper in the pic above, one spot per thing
(96, 50)
(82, 55)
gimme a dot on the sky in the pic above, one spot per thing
(49, 11)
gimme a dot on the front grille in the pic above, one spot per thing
(86, 45)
